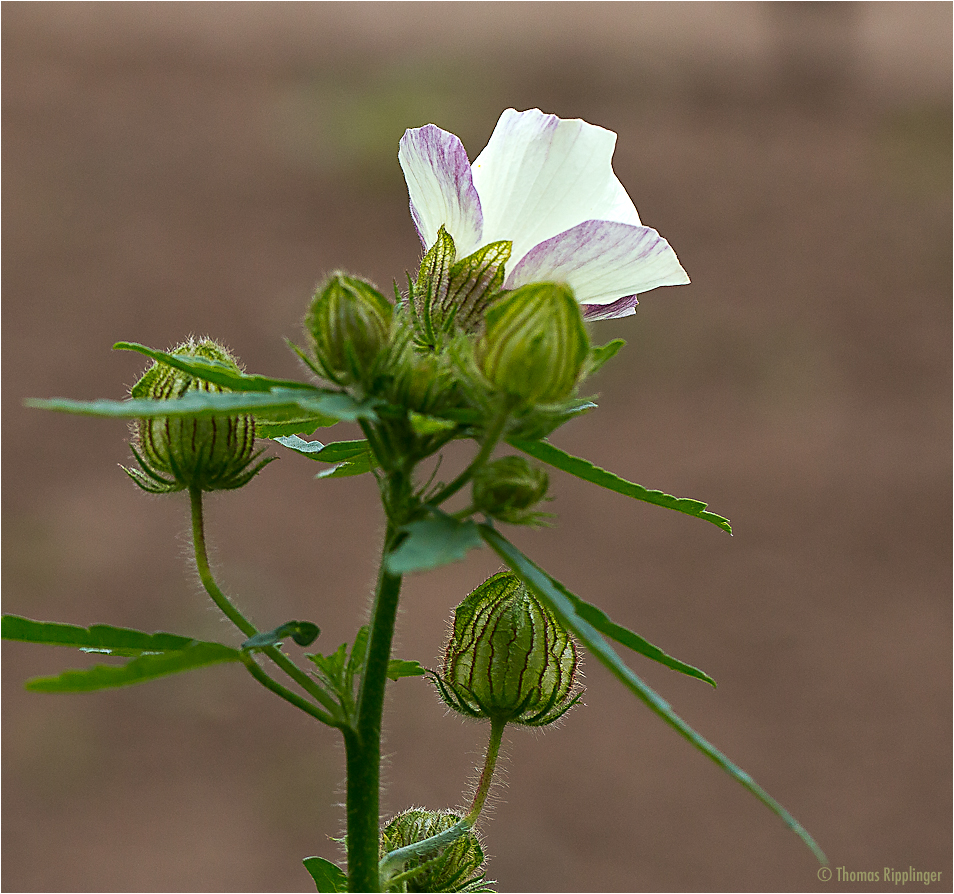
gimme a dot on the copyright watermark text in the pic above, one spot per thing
(885, 874)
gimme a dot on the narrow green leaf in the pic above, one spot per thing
(329, 879)
(195, 403)
(433, 542)
(583, 468)
(336, 452)
(398, 668)
(138, 670)
(347, 470)
(121, 641)
(212, 371)
(280, 423)
(555, 597)
(302, 632)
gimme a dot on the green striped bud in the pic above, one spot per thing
(534, 343)
(179, 452)
(349, 323)
(453, 867)
(508, 658)
(508, 488)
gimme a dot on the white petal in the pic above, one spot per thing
(540, 175)
(439, 183)
(602, 261)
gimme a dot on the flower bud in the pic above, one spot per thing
(508, 658)
(453, 867)
(508, 489)
(534, 344)
(348, 322)
(178, 452)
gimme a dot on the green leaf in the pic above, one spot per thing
(545, 588)
(583, 468)
(280, 423)
(302, 632)
(121, 641)
(329, 879)
(433, 542)
(138, 670)
(398, 668)
(153, 654)
(600, 354)
(221, 403)
(347, 470)
(213, 371)
(336, 452)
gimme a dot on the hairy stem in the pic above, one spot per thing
(239, 620)
(363, 743)
(487, 774)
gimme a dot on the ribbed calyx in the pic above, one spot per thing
(453, 867)
(508, 658)
(508, 489)
(179, 452)
(534, 343)
(348, 324)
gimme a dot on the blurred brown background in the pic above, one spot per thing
(195, 168)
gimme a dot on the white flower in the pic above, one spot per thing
(547, 185)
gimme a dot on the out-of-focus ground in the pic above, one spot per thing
(195, 168)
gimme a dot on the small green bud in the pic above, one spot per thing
(534, 343)
(509, 488)
(349, 323)
(453, 867)
(179, 452)
(508, 658)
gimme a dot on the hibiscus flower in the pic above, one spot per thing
(547, 185)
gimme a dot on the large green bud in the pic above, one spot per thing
(453, 867)
(508, 659)
(179, 452)
(508, 488)
(348, 323)
(534, 343)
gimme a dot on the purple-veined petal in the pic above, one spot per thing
(602, 261)
(624, 307)
(440, 186)
(540, 175)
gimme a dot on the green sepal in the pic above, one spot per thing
(432, 542)
(583, 468)
(474, 281)
(328, 878)
(304, 633)
(555, 596)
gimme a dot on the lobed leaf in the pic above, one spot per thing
(557, 598)
(583, 468)
(122, 641)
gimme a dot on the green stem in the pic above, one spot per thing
(274, 686)
(487, 774)
(491, 437)
(363, 743)
(237, 618)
